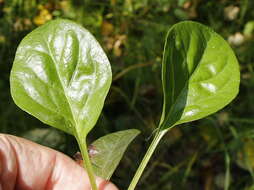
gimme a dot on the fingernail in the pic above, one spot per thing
(109, 186)
(103, 185)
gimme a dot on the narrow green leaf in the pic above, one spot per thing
(107, 151)
(61, 76)
(200, 73)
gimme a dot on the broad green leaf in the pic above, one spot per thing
(200, 73)
(107, 151)
(61, 76)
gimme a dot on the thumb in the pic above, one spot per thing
(25, 165)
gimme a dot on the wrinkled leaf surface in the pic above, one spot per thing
(61, 76)
(200, 74)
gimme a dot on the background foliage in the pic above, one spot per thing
(200, 155)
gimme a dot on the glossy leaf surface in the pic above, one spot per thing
(200, 74)
(61, 76)
(107, 151)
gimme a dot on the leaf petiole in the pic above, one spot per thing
(87, 163)
(147, 157)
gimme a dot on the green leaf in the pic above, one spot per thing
(49, 137)
(200, 74)
(61, 76)
(107, 151)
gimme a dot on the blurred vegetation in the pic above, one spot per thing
(214, 153)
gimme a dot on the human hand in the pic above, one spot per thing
(25, 165)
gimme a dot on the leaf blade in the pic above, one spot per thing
(61, 76)
(189, 73)
(109, 151)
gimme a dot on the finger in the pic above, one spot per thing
(25, 165)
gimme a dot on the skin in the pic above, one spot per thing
(25, 165)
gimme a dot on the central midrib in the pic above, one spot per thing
(63, 88)
(187, 82)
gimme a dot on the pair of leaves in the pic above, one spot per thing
(61, 76)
